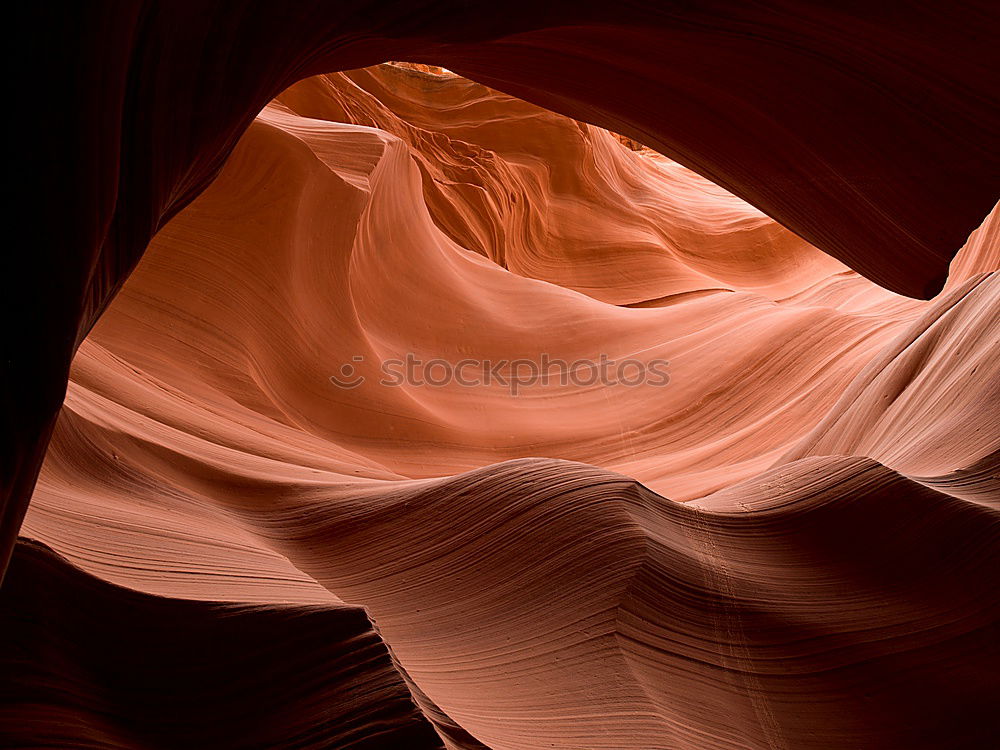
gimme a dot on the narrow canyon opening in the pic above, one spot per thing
(431, 417)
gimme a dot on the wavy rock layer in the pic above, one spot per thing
(868, 129)
(89, 664)
(214, 511)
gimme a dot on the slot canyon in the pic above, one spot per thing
(504, 376)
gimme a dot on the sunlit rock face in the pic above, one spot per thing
(438, 419)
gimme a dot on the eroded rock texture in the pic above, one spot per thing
(790, 540)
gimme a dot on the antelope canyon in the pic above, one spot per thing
(602, 376)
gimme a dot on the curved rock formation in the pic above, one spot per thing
(866, 129)
(89, 664)
(785, 536)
